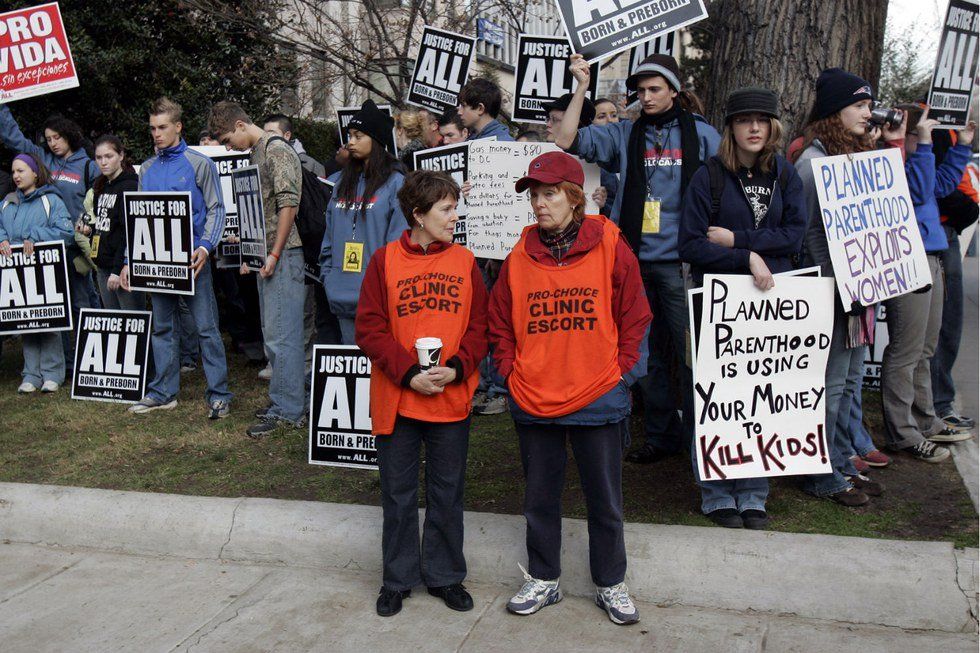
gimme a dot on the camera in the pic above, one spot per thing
(882, 115)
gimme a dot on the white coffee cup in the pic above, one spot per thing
(429, 351)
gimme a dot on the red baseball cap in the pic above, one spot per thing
(552, 168)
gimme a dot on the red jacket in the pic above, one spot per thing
(630, 307)
(372, 331)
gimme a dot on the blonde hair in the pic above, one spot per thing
(727, 149)
(166, 105)
(410, 122)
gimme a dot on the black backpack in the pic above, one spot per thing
(311, 218)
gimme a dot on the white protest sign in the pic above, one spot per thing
(955, 74)
(872, 234)
(759, 379)
(441, 68)
(498, 213)
(34, 55)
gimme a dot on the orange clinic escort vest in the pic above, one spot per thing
(567, 340)
(429, 296)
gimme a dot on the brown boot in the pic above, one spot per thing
(851, 497)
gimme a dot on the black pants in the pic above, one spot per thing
(598, 452)
(440, 561)
(327, 326)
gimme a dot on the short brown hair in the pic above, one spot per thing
(767, 157)
(167, 106)
(576, 196)
(224, 115)
(422, 189)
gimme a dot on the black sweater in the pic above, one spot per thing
(110, 226)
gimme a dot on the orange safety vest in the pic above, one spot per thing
(429, 295)
(567, 340)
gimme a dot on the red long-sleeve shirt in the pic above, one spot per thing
(631, 310)
(372, 328)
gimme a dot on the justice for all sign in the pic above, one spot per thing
(247, 187)
(759, 385)
(111, 355)
(34, 55)
(226, 162)
(599, 28)
(441, 68)
(956, 65)
(34, 290)
(160, 240)
(340, 408)
(872, 233)
(344, 114)
(542, 75)
(453, 160)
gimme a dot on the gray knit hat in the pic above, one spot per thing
(656, 64)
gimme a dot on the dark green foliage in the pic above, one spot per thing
(129, 53)
(319, 137)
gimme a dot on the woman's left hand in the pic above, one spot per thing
(442, 376)
(721, 236)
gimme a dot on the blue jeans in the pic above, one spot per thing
(740, 494)
(346, 330)
(44, 358)
(281, 298)
(849, 425)
(81, 292)
(664, 286)
(166, 351)
(861, 443)
(941, 368)
(190, 344)
(840, 361)
(491, 383)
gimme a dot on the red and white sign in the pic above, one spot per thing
(34, 55)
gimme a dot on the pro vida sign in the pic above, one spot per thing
(34, 54)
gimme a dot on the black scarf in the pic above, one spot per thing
(635, 187)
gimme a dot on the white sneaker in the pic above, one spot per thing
(148, 404)
(266, 372)
(26, 388)
(49, 386)
(534, 595)
(617, 603)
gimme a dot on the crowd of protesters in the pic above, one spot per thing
(678, 200)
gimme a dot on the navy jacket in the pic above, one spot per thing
(778, 237)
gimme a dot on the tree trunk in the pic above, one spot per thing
(784, 44)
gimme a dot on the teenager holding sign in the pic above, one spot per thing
(753, 227)
(423, 286)
(656, 157)
(568, 317)
(175, 167)
(34, 213)
(363, 213)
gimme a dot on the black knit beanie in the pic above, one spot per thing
(836, 89)
(373, 121)
(752, 99)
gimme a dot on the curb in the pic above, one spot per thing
(921, 585)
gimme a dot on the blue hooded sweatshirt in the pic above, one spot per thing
(68, 174)
(607, 145)
(182, 169)
(776, 239)
(929, 182)
(493, 128)
(24, 217)
(383, 223)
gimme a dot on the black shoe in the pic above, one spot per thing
(757, 520)
(647, 454)
(262, 412)
(266, 427)
(455, 596)
(727, 517)
(390, 601)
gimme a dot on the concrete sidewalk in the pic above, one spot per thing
(136, 571)
(54, 599)
(966, 374)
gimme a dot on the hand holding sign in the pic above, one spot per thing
(579, 68)
(965, 136)
(270, 266)
(5, 248)
(198, 259)
(124, 278)
(760, 273)
(29, 248)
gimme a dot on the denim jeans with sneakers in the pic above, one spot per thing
(840, 361)
(439, 561)
(941, 366)
(282, 298)
(739, 494)
(598, 452)
(166, 350)
(44, 358)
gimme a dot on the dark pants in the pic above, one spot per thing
(82, 293)
(941, 368)
(664, 286)
(598, 452)
(440, 561)
(240, 312)
(327, 325)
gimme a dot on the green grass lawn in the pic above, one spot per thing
(53, 439)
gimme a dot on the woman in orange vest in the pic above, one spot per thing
(568, 320)
(422, 320)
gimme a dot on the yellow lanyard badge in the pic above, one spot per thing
(95, 245)
(651, 216)
(353, 257)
